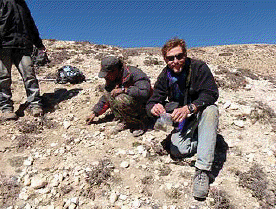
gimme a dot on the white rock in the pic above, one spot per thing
(124, 164)
(27, 180)
(246, 111)
(44, 191)
(24, 195)
(54, 144)
(226, 104)
(145, 154)
(239, 123)
(234, 107)
(29, 161)
(75, 200)
(38, 182)
(66, 124)
(72, 206)
(113, 197)
(131, 152)
(27, 206)
(140, 149)
(136, 203)
(251, 157)
(123, 197)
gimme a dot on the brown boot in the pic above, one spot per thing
(9, 115)
(37, 111)
(119, 127)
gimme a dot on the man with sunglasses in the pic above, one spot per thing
(187, 90)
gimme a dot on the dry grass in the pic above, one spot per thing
(9, 190)
(221, 199)
(100, 174)
(257, 182)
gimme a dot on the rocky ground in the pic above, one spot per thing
(58, 161)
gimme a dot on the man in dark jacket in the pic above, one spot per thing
(127, 90)
(18, 34)
(187, 90)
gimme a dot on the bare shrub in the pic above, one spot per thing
(24, 141)
(256, 181)
(58, 57)
(221, 199)
(164, 170)
(26, 126)
(230, 80)
(101, 173)
(173, 193)
(9, 190)
(225, 54)
(99, 47)
(100, 56)
(263, 113)
(130, 52)
(152, 61)
(65, 189)
(147, 180)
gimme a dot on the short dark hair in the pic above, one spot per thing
(172, 43)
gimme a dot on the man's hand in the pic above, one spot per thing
(157, 109)
(115, 92)
(179, 114)
(90, 118)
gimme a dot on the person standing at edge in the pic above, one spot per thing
(127, 90)
(18, 34)
(187, 90)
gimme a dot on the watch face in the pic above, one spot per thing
(191, 108)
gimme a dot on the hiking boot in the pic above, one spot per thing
(119, 127)
(138, 132)
(201, 184)
(9, 115)
(37, 111)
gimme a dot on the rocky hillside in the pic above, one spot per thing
(59, 162)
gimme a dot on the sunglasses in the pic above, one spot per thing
(177, 56)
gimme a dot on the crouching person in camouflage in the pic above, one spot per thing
(127, 90)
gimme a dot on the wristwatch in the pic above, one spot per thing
(191, 108)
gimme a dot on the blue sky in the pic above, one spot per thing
(150, 23)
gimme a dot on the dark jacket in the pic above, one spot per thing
(203, 90)
(137, 84)
(17, 27)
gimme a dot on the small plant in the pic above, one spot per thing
(24, 141)
(256, 181)
(152, 61)
(147, 180)
(164, 170)
(136, 144)
(100, 174)
(221, 200)
(27, 127)
(9, 190)
(263, 113)
(173, 193)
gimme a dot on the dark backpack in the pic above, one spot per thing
(69, 74)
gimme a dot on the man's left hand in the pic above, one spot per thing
(179, 114)
(115, 92)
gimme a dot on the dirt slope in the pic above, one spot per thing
(59, 162)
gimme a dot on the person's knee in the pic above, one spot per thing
(211, 112)
(123, 100)
(183, 148)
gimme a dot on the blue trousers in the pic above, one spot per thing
(200, 139)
